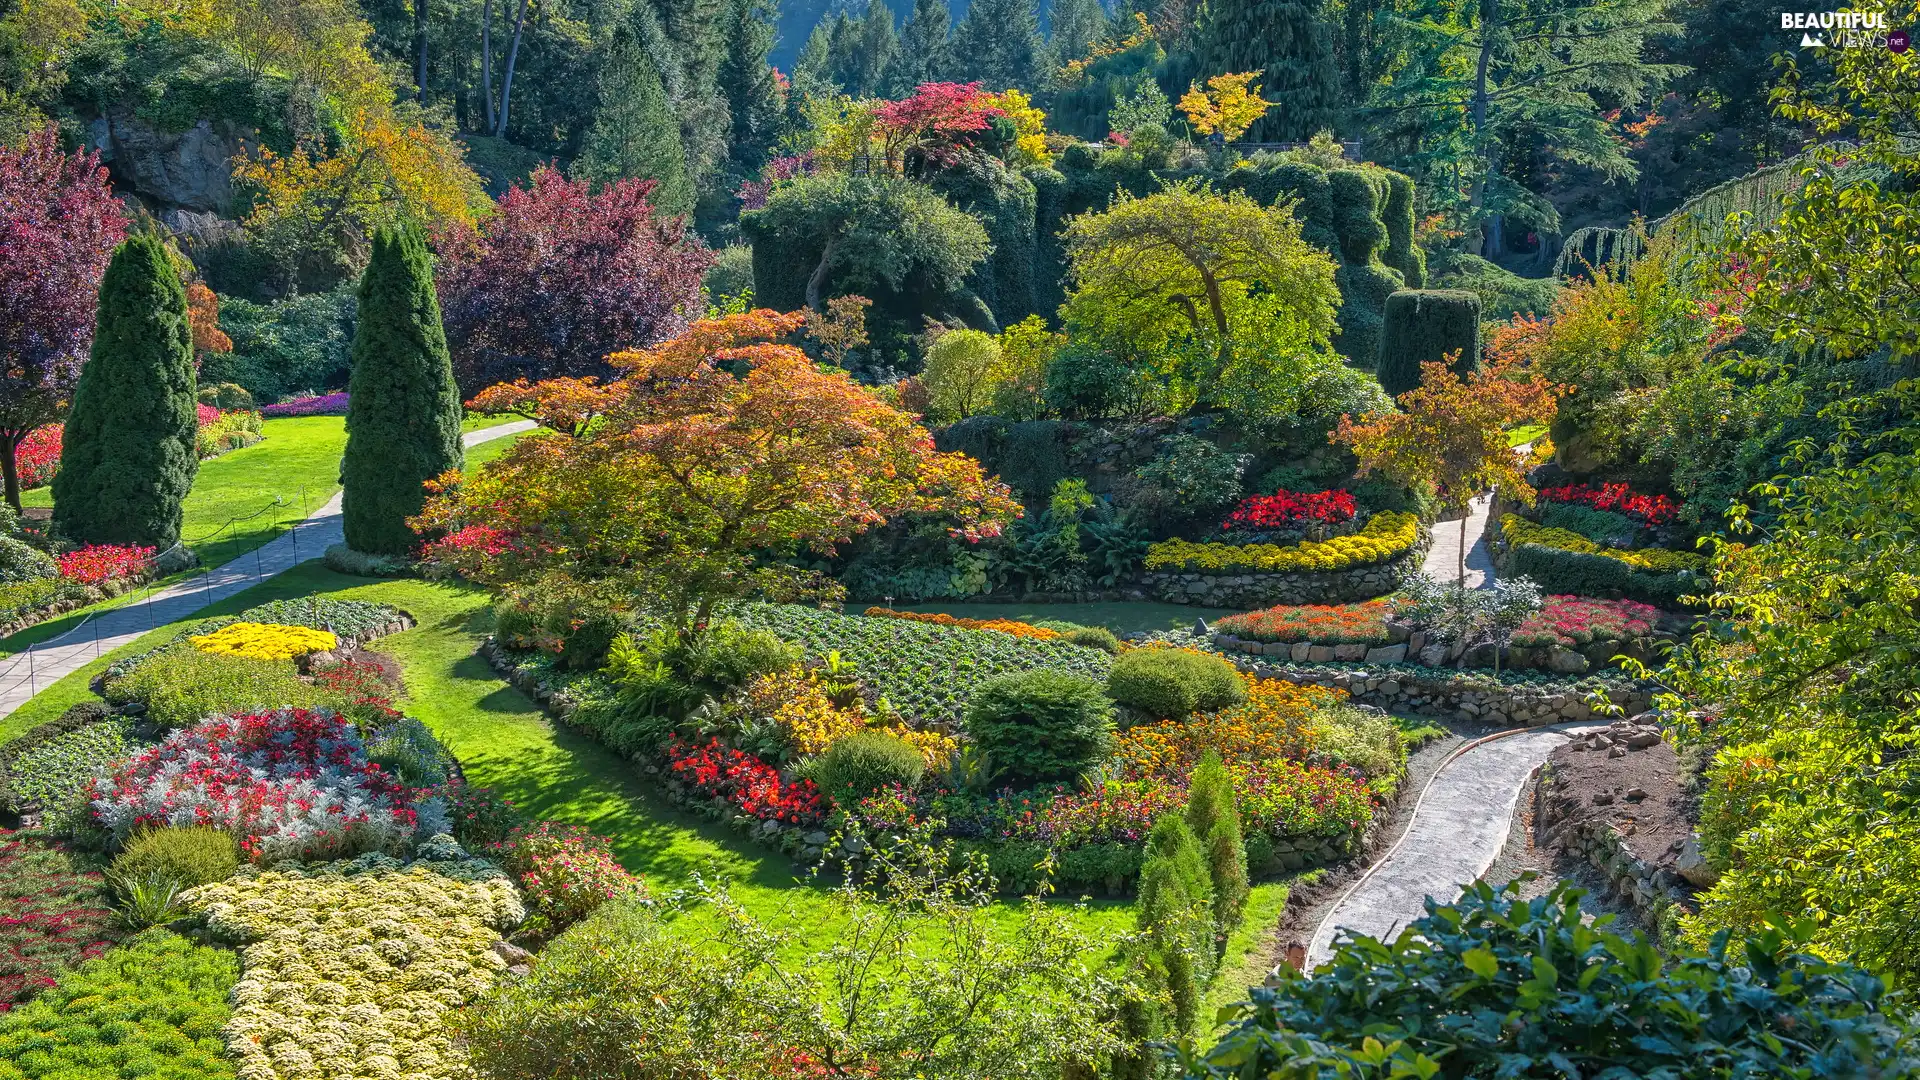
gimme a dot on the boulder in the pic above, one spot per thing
(1349, 652)
(1299, 651)
(1416, 641)
(1433, 655)
(1691, 864)
(1387, 654)
(1642, 739)
(1320, 654)
(1567, 662)
(188, 170)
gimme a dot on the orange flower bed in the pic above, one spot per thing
(1003, 626)
(1321, 624)
(1276, 721)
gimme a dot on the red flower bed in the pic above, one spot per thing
(51, 918)
(1618, 498)
(1573, 620)
(96, 563)
(207, 414)
(1284, 508)
(38, 457)
(1322, 624)
(745, 781)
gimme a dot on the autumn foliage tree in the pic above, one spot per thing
(561, 277)
(690, 476)
(61, 224)
(1450, 435)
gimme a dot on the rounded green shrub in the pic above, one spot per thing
(862, 764)
(1037, 726)
(225, 396)
(187, 856)
(1172, 683)
(20, 562)
(1425, 326)
(1095, 637)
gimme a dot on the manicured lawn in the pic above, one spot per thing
(1121, 617)
(493, 448)
(1525, 433)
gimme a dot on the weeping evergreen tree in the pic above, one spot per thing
(998, 43)
(403, 415)
(636, 133)
(128, 454)
(922, 53)
(749, 84)
(1288, 43)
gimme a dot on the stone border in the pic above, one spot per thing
(1651, 891)
(1427, 692)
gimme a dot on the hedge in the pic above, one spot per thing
(1423, 326)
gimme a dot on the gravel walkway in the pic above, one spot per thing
(1443, 558)
(26, 673)
(1459, 827)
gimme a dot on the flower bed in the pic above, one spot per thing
(1615, 498)
(937, 618)
(1571, 620)
(1285, 509)
(53, 771)
(742, 779)
(319, 405)
(98, 563)
(349, 969)
(926, 671)
(1322, 624)
(220, 432)
(1384, 536)
(38, 456)
(51, 918)
(151, 1007)
(565, 870)
(264, 641)
(288, 784)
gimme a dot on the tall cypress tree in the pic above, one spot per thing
(747, 80)
(403, 415)
(128, 453)
(1288, 43)
(922, 55)
(636, 133)
(998, 43)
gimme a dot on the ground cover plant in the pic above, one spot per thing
(52, 772)
(57, 915)
(152, 1007)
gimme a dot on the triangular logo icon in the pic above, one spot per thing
(1811, 41)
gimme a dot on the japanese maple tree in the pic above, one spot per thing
(561, 277)
(61, 224)
(691, 477)
(933, 128)
(1450, 435)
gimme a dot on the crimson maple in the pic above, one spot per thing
(59, 224)
(931, 129)
(561, 276)
(693, 477)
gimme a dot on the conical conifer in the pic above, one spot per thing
(1287, 41)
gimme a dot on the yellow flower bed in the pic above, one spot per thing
(793, 700)
(1386, 535)
(1518, 530)
(352, 976)
(264, 641)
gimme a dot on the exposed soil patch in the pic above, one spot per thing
(1526, 851)
(1626, 776)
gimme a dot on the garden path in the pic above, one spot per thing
(1443, 558)
(1459, 826)
(47, 661)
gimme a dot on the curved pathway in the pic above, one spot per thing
(41, 664)
(1459, 826)
(1443, 558)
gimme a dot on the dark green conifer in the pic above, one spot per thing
(1214, 819)
(922, 54)
(403, 418)
(1176, 915)
(748, 82)
(1424, 325)
(128, 453)
(636, 133)
(998, 44)
(1288, 43)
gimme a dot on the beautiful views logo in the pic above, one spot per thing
(1843, 30)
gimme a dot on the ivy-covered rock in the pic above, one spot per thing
(403, 420)
(128, 453)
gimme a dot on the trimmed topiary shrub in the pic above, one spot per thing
(129, 451)
(1039, 726)
(1174, 683)
(1424, 326)
(187, 857)
(1397, 214)
(862, 764)
(403, 416)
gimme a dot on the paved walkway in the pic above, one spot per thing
(1458, 828)
(25, 674)
(1443, 558)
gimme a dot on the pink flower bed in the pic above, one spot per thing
(98, 563)
(288, 784)
(38, 456)
(1573, 620)
(565, 870)
(321, 405)
(1618, 498)
(1284, 508)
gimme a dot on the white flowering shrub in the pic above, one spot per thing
(348, 969)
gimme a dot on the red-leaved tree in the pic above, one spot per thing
(562, 276)
(59, 224)
(931, 129)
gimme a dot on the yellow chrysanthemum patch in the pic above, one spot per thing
(352, 975)
(264, 641)
(1517, 530)
(1385, 536)
(795, 701)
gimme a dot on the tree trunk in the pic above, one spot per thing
(506, 81)
(10, 467)
(420, 47)
(1489, 19)
(1219, 312)
(486, 59)
(817, 281)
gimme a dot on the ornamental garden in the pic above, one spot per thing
(925, 557)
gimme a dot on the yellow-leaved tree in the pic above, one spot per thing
(1229, 105)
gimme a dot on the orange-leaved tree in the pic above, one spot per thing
(694, 476)
(1449, 436)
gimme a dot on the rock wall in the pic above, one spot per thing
(1401, 688)
(1413, 647)
(1256, 590)
(1652, 891)
(187, 170)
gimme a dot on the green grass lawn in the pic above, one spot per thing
(1120, 617)
(1525, 434)
(505, 742)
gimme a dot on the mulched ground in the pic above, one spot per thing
(1640, 789)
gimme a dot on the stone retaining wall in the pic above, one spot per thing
(1412, 647)
(1257, 590)
(1651, 891)
(1404, 689)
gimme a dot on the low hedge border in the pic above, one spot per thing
(71, 596)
